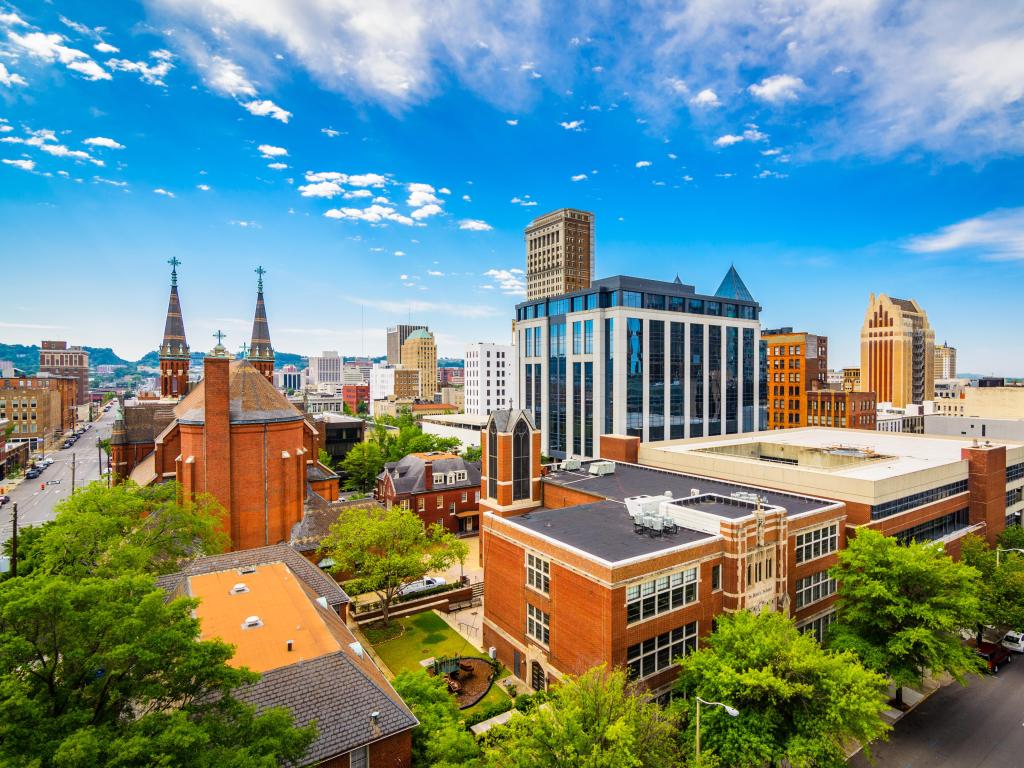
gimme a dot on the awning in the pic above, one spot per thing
(468, 513)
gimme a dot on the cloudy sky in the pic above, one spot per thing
(381, 159)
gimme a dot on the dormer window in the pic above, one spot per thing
(451, 478)
(439, 479)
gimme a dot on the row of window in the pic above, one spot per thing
(813, 588)
(660, 595)
(606, 299)
(817, 543)
(538, 624)
(896, 506)
(935, 529)
(819, 626)
(658, 653)
(1015, 472)
(459, 476)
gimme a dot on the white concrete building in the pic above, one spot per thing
(382, 381)
(325, 369)
(464, 426)
(490, 378)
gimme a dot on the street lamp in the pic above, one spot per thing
(1007, 549)
(730, 711)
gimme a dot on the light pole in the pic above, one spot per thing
(1007, 549)
(730, 711)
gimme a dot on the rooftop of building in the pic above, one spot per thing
(253, 399)
(854, 454)
(420, 333)
(472, 420)
(408, 473)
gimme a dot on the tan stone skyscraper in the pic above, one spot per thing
(419, 352)
(559, 253)
(945, 362)
(897, 352)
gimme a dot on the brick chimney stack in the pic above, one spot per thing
(217, 406)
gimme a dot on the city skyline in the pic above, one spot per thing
(825, 165)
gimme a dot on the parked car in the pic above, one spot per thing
(32, 474)
(5, 499)
(1014, 641)
(994, 655)
(421, 585)
(48, 461)
(67, 444)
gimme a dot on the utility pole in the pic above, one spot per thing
(14, 542)
(73, 457)
(99, 459)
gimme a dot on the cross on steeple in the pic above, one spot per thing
(261, 272)
(173, 261)
(219, 336)
(245, 349)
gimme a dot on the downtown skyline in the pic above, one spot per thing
(382, 165)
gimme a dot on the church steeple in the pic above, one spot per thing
(174, 355)
(261, 352)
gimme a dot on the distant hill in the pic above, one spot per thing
(23, 356)
(26, 357)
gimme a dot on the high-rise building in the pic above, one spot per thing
(945, 362)
(289, 378)
(58, 359)
(325, 369)
(419, 352)
(851, 379)
(897, 352)
(261, 351)
(35, 408)
(174, 352)
(392, 381)
(797, 364)
(559, 253)
(490, 378)
(639, 357)
(396, 338)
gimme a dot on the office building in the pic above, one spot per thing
(58, 359)
(640, 357)
(897, 351)
(834, 379)
(390, 381)
(465, 427)
(453, 396)
(983, 402)
(396, 339)
(841, 409)
(797, 364)
(325, 368)
(451, 376)
(490, 376)
(945, 362)
(908, 419)
(419, 353)
(851, 379)
(6, 369)
(37, 408)
(289, 378)
(559, 253)
(356, 397)
(340, 433)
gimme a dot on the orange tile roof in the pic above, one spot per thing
(285, 609)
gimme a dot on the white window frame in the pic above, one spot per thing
(359, 757)
(538, 625)
(656, 653)
(814, 588)
(825, 538)
(668, 593)
(538, 573)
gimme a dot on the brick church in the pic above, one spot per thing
(232, 434)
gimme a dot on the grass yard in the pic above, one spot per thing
(424, 635)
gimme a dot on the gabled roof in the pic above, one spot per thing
(411, 475)
(506, 420)
(253, 399)
(732, 287)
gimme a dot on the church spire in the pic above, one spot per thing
(261, 352)
(174, 355)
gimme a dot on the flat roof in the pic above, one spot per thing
(458, 419)
(636, 480)
(286, 612)
(881, 455)
(602, 529)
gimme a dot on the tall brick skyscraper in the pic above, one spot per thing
(897, 352)
(174, 355)
(261, 352)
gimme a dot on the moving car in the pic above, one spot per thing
(1014, 641)
(421, 585)
(994, 655)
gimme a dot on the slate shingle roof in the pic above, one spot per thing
(411, 473)
(505, 420)
(253, 399)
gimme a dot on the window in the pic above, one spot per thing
(440, 502)
(521, 462)
(816, 543)
(935, 529)
(660, 595)
(359, 758)
(658, 653)
(492, 461)
(716, 578)
(438, 479)
(813, 588)
(818, 626)
(896, 506)
(465, 496)
(538, 624)
(421, 504)
(538, 573)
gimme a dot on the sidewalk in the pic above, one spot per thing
(912, 698)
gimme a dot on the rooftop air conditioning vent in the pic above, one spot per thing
(695, 491)
(602, 468)
(252, 622)
(247, 569)
(239, 588)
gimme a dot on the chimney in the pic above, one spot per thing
(217, 426)
(428, 475)
(290, 646)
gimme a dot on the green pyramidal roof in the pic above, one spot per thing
(732, 287)
(419, 333)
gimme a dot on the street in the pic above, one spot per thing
(979, 726)
(36, 506)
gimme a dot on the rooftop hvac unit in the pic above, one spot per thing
(239, 588)
(251, 622)
(570, 465)
(602, 468)
(695, 491)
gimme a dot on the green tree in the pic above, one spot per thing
(597, 720)
(106, 531)
(472, 453)
(362, 464)
(441, 737)
(901, 608)
(1012, 537)
(797, 701)
(105, 672)
(1000, 589)
(325, 458)
(384, 549)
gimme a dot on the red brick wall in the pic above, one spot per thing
(625, 448)
(557, 497)
(986, 477)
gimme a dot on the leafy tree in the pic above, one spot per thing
(901, 608)
(104, 531)
(597, 720)
(362, 464)
(362, 408)
(104, 672)
(1012, 537)
(797, 701)
(325, 458)
(387, 548)
(441, 737)
(1001, 588)
(472, 453)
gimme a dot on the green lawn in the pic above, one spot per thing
(425, 635)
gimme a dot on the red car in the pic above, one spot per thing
(994, 655)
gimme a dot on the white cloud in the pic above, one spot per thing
(9, 78)
(672, 156)
(111, 182)
(706, 98)
(524, 201)
(768, 174)
(510, 281)
(728, 140)
(475, 225)
(277, 166)
(426, 211)
(643, 163)
(162, 191)
(997, 235)
(330, 132)
(421, 194)
(374, 214)
(226, 77)
(152, 73)
(203, 187)
(269, 150)
(398, 253)
(512, 122)
(59, 150)
(245, 224)
(771, 152)
(435, 273)
(573, 125)
(102, 141)
(326, 176)
(687, 178)
(106, 48)
(367, 180)
(467, 198)
(12, 20)
(444, 191)
(51, 48)
(579, 177)
(459, 309)
(778, 89)
(752, 133)
(25, 165)
(267, 108)
(355, 194)
(325, 189)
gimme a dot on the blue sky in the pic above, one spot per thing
(380, 160)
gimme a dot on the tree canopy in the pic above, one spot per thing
(387, 548)
(901, 608)
(441, 738)
(797, 702)
(1001, 588)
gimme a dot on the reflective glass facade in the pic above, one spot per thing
(748, 378)
(676, 380)
(732, 381)
(556, 387)
(635, 376)
(656, 380)
(714, 380)
(696, 380)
